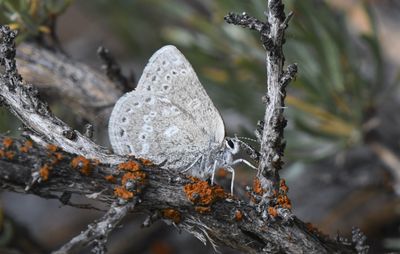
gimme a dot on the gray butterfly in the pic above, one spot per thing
(170, 119)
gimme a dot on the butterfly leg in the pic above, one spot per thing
(213, 171)
(194, 163)
(230, 169)
(243, 161)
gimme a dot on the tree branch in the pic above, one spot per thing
(113, 71)
(88, 92)
(60, 173)
(23, 101)
(249, 233)
(97, 233)
(272, 143)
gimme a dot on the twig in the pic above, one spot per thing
(245, 20)
(390, 160)
(113, 70)
(272, 143)
(88, 92)
(97, 233)
(23, 101)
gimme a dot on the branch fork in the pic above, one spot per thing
(247, 234)
(272, 143)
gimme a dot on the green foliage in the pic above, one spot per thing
(341, 75)
(31, 17)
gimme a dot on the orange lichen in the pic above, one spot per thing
(284, 201)
(193, 179)
(9, 155)
(44, 172)
(57, 157)
(123, 193)
(138, 176)
(238, 215)
(27, 145)
(52, 148)
(272, 211)
(202, 209)
(129, 166)
(2, 153)
(257, 186)
(283, 187)
(146, 162)
(80, 162)
(7, 142)
(110, 178)
(201, 193)
(172, 214)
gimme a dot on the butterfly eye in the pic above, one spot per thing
(230, 143)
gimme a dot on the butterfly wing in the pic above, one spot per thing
(169, 74)
(169, 117)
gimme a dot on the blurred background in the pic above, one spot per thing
(342, 161)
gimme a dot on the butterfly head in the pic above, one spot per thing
(232, 145)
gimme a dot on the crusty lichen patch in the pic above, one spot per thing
(146, 162)
(134, 175)
(278, 199)
(281, 200)
(257, 186)
(283, 187)
(44, 172)
(202, 194)
(5, 152)
(81, 163)
(7, 142)
(272, 211)
(123, 193)
(9, 155)
(26, 146)
(57, 157)
(55, 154)
(110, 178)
(129, 166)
(284, 201)
(52, 148)
(137, 176)
(172, 215)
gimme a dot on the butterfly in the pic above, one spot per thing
(170, 119)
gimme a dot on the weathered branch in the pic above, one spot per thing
(23, 101)
(245, 20)
(113, 71)
(88, 92)
(97, 233)
(272, 143)
(248, 231)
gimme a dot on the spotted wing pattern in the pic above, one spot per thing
(169, 117)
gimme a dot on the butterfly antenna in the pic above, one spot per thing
(251, 151)
(246, 138)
